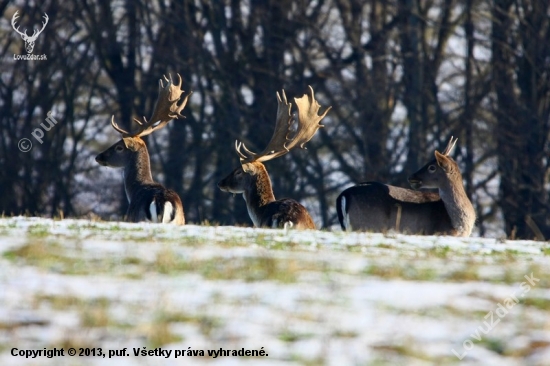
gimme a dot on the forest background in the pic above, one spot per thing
(401, 77)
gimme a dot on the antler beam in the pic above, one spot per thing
(280, 143)
(276, 146)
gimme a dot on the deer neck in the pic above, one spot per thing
(259, 194)
(458, 206)
(137, 172)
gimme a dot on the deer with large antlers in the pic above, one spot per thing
(148, 200)
(29, 40)
(251, 178)
(378, 207)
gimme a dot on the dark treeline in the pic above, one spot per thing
(401, 77)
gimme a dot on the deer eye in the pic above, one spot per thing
(119, 148)
(432, 168)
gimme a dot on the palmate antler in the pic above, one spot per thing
(280, 143)
(166, 109)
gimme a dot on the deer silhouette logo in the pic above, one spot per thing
(29, 40)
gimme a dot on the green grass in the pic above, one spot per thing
(58, 302)
(290, 336)
(407, 349)
(95, 314)
(248, 269)
(307, 361)
(251, 269)
(38, 231)
(43, 254)
(159, 330)
(345, 334)
(169, 262)
(159, 333)
(493, 344)
(52, 256)
(406, 272)
(537, 302)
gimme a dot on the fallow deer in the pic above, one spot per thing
(148, 200)
(251, 178)
(379, 207)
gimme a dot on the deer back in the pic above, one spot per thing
(286, 212)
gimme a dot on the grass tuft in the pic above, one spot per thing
(290, 336)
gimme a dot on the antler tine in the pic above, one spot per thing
(308, 119)
(166, 107)
(140, 122)
(450, 146)
(36, 31)
(118, 129)
(246, 150)
(13, 22)
(238, 146)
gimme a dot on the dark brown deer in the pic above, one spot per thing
(378, 207)
(148, 200)
(251, 178)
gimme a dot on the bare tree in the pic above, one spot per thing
(520, 54)
(402, 77)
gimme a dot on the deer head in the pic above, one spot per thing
(166, 109)
(437, 171)
(251, 178)
(29, 40)
(252, 174)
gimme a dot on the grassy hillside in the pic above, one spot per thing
(301, 298)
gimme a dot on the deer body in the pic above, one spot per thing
(148, 200)
(374, 206)
(263, 209)
(251, 178)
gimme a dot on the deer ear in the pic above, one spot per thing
(442, 161)
(130, 143)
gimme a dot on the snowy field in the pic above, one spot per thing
(292, 298)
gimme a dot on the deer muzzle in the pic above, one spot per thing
(101, 160)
